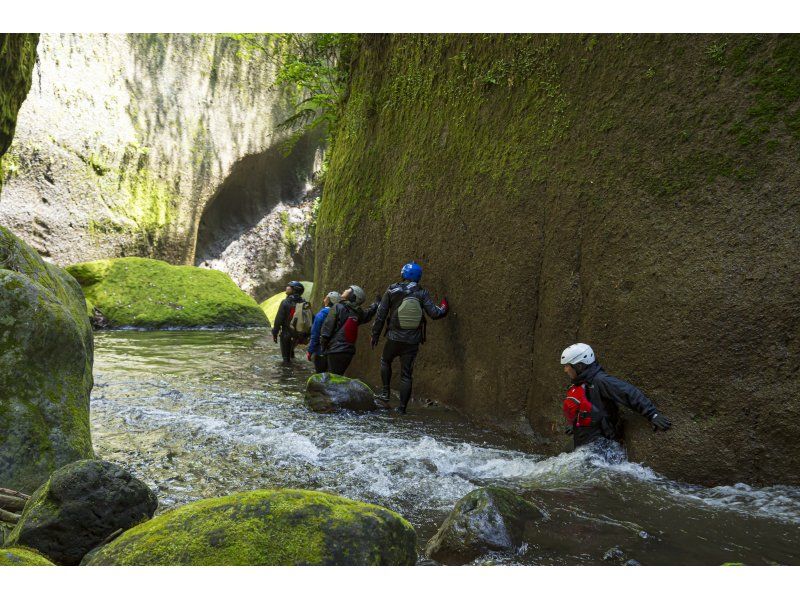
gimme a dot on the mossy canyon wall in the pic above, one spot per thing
(126, 141)
(636, 192)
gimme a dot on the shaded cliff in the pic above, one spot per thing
(17, 57)
(638, 193)
(125, 140)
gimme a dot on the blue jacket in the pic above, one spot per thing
(313, 345)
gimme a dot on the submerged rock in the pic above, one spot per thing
(145, 293)
(486, 519)
(79, 507)
(327, 393)
(266, 527)
(46, 353)
(21, 557)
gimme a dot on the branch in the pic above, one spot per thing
(7, 517)
(12, 503)
(9, 492)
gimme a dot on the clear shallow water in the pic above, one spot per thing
(207, 413)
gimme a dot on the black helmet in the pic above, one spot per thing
(297, 286)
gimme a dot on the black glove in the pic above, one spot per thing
(660, 422)
(274, 338)
(569, 430)
(374, 342)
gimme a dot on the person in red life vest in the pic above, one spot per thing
(280, 328)
(340, 329)
(591, 405)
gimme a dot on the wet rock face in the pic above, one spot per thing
(266, 527)
(145, 293)
(329, 393)
(486, 519)
(79, 507)
(587, 185)
(17, 57)
(46, 356)
(258, 228)
(125, 139)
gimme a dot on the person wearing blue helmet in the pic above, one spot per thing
(402, 310)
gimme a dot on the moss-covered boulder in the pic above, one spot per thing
(329, 393)
(46, 353)
(22, 557)
(266, 527)
(271, 305)
(486, 519)
(79, 507)
(144, 293)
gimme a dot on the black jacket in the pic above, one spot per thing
(332, 334)
(391, 300)
(282, 320)
(606, 392)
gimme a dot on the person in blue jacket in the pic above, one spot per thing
(314, 347)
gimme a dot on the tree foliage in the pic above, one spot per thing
(313, 65)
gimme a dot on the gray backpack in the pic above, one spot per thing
(409, 313)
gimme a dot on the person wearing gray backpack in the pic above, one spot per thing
(403, 308)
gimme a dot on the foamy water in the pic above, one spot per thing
(207, 413)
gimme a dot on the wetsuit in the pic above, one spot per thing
(399, 342)
(281, 326)
(337, 347)
(314, 346)
(606, 392)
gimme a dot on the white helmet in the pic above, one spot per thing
(577, 353)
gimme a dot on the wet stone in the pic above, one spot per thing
(329, 393)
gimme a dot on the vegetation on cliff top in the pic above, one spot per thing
(145, 293)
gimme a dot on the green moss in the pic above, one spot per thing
(146, 293)
(266, 527)
(270, 306)
(22, 557)
(45, 367)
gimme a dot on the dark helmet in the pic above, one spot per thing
(411, 271)
(297, 286)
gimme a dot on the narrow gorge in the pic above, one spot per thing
(634, 192)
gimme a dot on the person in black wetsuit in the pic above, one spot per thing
(340, 329)
(403, 308)
(280, 328)
(591, 406)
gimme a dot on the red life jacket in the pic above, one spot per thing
(350, 328)
(577, 407)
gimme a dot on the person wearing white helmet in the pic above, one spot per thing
(340, 329)
(591, 405)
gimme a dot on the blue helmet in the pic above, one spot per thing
(411, 271)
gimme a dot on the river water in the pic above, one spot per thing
(207, 413)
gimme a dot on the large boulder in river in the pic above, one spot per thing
(46, 353)
(22, 557)
(328, 393)
(485, 520)
(144, 293)
(79, 507)
(267, 527)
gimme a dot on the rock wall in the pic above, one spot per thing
(125, 139)
(17, 57)
(636, 192)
